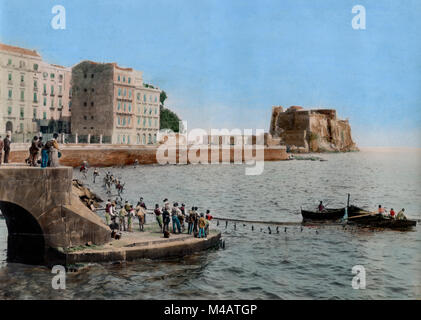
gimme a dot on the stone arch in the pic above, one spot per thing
(25, 240)
(43, 210)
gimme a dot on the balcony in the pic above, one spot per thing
(36, 89)
(52, 94)
(44, 93)
(10, 82)
(22, 83)
(60, 95)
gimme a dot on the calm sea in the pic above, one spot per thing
(313, 263)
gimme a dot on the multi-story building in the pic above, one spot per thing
(113, 105)
(34, 95)
(55, 99)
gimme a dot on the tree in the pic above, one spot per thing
(168, 119)
(162, 97)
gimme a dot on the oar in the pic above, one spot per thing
(363, 215)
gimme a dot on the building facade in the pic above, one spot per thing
(34, 95)
(111, 104)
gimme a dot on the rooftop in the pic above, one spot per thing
(6, 47)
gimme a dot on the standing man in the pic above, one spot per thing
(6, 148)
(33, 152)
(1, 150)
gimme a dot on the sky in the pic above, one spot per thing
(224, 64)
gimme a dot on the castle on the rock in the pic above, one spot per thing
(317, 130)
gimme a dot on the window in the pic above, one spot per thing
(119, 92)
(118, 78)
(154, 138)
(92, 75)
(144, 98)
(85, 118)
(21, 127)
(124, 92)
(35, 97)
(45, 74)
(52, 103)
(124, 121)
(130, 93)
(118, 105)
(35, 113)
(44, 115)
(156, 99)
(60, 77)
(118, 120)
(22, 95)
(45, 101)
(92, 104)
(92, 117)
(9, 111)
(22, 113)
(35, 84)
(138, 96)
(156, 110)
(52, 90)
(9, 62)
(124, 79)
(124, 139)
(21, 64)
(130, 107)
(149, 138)
(124, 106)
(128, 139)
(60, 88)
(128, 120)
(138, 120)
(144, 122)
(22, 78)
(45, 88)
(59, 102)
(156, 123)
(52, 75)
(145, 110)
(150, 122)
(10, 93)
(10, 76)
(36, 67)
(128, 80)
(85, 75)
(144, 139)
(85, 104)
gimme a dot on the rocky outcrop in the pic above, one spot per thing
(316, 130)
(85, 195)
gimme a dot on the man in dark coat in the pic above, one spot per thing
(6, 148)
(1, 150)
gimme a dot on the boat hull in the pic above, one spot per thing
(325, 215)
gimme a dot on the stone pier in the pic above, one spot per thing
(44, 215)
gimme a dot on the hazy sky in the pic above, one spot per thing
(224, 64)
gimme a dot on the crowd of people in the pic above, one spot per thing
(120, 216)
(44, 154)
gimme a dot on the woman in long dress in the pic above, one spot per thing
(53, 152)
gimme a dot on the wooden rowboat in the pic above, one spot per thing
(374, 220)
(325, 215)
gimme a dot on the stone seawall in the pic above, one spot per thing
(110, 155)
